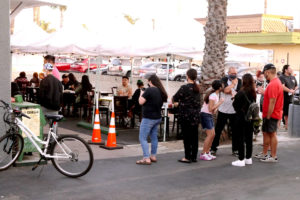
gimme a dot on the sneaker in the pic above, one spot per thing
(269, 159)
(212, 156)
(235, 153)
(238, 163)
(205, 157)
(212, 152)
(260, 155)
(248, 161)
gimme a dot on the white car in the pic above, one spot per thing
(122, 67)
(176, 73)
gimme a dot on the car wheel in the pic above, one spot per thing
(177, 78)
(104, 73)
(128, 74)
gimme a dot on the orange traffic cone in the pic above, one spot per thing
(96, 137)
(111, 142)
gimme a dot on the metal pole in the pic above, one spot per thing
(166, 103)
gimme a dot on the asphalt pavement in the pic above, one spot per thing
(120, 178)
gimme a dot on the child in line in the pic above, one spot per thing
(210, 106)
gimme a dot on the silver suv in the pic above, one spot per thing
(122, 67)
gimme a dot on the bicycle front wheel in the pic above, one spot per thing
(11, 146)
(73, 156)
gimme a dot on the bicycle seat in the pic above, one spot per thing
(55, 118)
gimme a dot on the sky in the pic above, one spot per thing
(95, 13)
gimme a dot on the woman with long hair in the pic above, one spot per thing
(241, 104)
(151, 100)
(82, 94)
(35, 81)
(73, 81)
(210, 107)
(187, 98)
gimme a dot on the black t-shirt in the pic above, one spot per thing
(152, 107)
(289, 82)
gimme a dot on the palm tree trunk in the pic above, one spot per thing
(215, 43)
(36, 15)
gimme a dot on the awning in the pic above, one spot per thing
(17, 5)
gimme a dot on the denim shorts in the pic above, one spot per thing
(207, 121)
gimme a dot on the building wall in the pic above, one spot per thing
(282, 53)
(5, 57)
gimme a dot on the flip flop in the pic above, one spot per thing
(143, 162)
(153, 160)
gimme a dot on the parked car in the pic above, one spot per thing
(241, 67)
(198, 69)
(82, 65)
(63, 63)
(122, 67)
(147, 69)
(102, 69)
(176, 73)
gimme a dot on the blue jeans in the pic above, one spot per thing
(149, 127)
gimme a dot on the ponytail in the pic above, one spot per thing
(206, 98)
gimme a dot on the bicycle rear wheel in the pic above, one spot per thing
(11, 146)
(80, 156)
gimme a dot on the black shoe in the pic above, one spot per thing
(235, 153)
(194, 160)
(214, 153)
(184, 161)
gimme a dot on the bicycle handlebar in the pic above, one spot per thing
(17, 112)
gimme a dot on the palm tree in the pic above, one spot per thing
(215, 47)
(62, 9)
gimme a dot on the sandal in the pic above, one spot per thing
(143, 162)
(153, 159)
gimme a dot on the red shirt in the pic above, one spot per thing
(273, 90)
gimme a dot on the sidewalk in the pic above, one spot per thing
(128, 138)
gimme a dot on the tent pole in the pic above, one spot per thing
(166, 103)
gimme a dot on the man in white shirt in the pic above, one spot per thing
(232, 85)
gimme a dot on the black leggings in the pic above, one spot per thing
(245, 136)
(190, 140)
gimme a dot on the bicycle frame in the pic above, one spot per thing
(35, 140)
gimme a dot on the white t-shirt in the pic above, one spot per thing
(226, 106)
(213, 97)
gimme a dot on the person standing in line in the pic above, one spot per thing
(231, 85)
(51, 59)
(51, 92)
(187, 98)
(210, 107)
(272, 113)
(151, 100)
(289, 84)
(241, 103)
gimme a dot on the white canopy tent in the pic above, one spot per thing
(17, 5)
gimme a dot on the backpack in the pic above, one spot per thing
(252, 112)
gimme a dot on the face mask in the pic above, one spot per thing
(232, 77)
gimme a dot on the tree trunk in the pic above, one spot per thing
(215, 47)
(36, 15)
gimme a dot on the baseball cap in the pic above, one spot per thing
(48, 66)
(268, 66)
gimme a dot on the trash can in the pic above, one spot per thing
(293, 119)
(36, 124)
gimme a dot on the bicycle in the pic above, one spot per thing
(70, 154)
